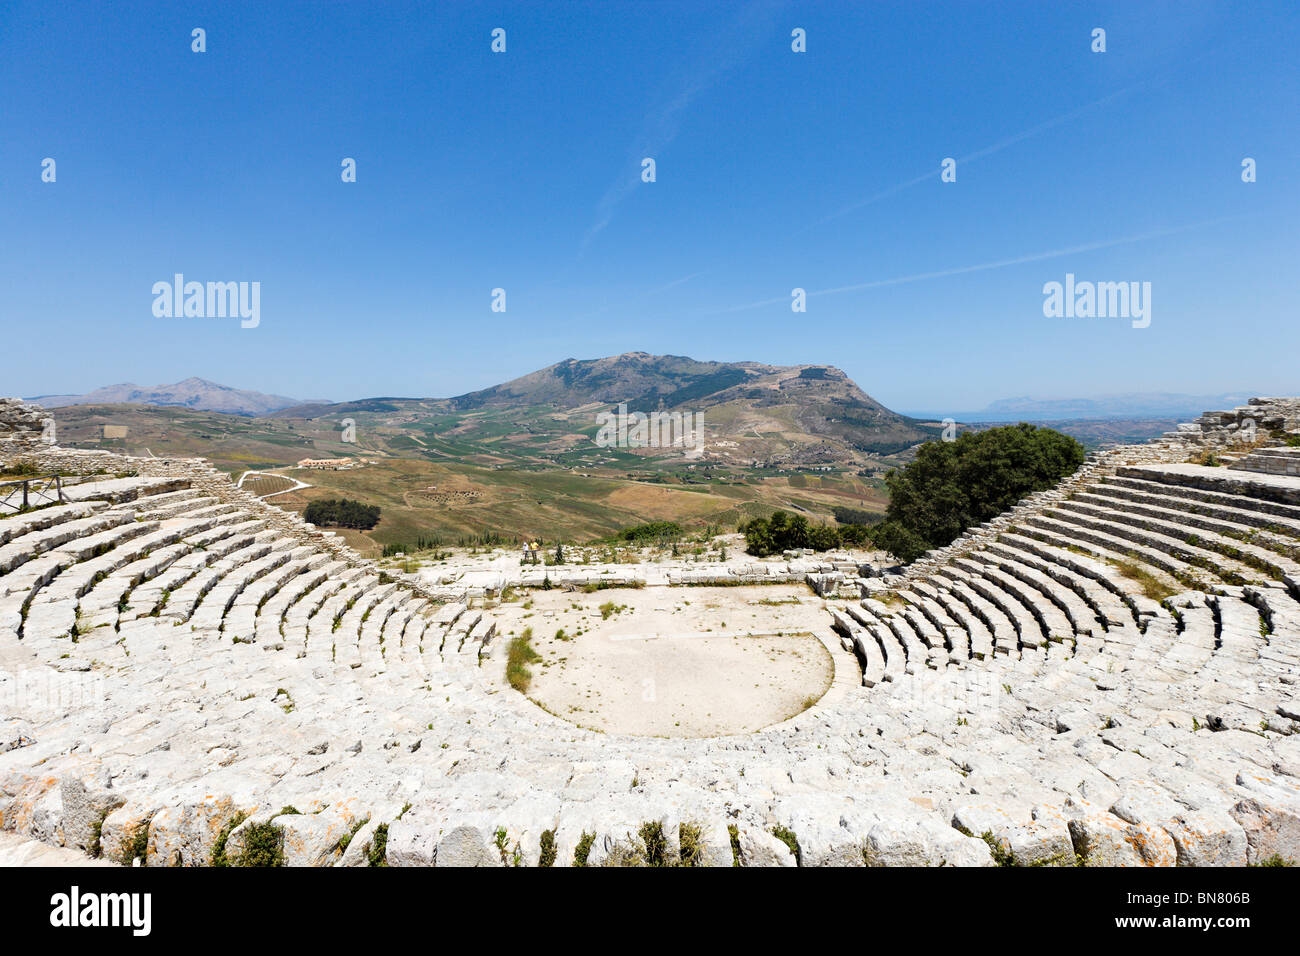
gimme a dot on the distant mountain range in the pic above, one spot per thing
(782, 415)
(1129, 405)
(194, 393)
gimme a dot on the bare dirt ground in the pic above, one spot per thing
(674, 662)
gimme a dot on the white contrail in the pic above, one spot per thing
(661, 125)
(980, 267)
(997, 147)
(933, 173)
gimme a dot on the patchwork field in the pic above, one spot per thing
(460, 502)
(512, 479)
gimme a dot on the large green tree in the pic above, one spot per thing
(342, 513)
(951, 486)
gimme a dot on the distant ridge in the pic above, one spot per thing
(197, 394)
(1116, 406)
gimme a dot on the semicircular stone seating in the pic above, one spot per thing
(1106, 674)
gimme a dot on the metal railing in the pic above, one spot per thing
(31, 492)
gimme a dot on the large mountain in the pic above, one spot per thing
(194, 393)
(816, 407)
(642, 380)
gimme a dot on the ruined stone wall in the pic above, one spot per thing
(1257, 420)
(21, 424)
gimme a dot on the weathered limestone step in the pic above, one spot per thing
(172, 503)
(155, 593)
(1054, 623)
(271, 617)
(459, 630)
(25, 547)
(312, 602)
(1281, 614)
(1006, 638)
(891, 649)
(931, 635)
(413, 637)
(1097, 588)
(1081, 616)
(1055, 543)
(870, 658)
(324, 625)
(240, 621)
(1029, 633)
(84, 575)
(1186, 523)
(85, 572)
(390, 637)
(1274, 461)
(479, 636)
(227, 535)
(100, 605)
(1192, 544)
(1239, 634)
(185, 599)
(1247, 487)
(14, 526)
(212, 608)
(1220, 508)
(978, 635)
(1058, 531)
(875, 617)
(950, 634)
(122, 490)
(448, 613)
(915, 651)
(231, 512)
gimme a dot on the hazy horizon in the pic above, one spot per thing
(1208, 400)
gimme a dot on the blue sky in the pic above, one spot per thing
(775, 170)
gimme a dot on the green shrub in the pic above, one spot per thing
(583, 849)
(548, 849)
(951, 486)
(786, 836)
(342, 513)
(136, 846)
(656, 844)
(658, 532)
(263, 845)
(219, 857)
(378, 855)
(783, 531)
(690, 842)
(519, 655)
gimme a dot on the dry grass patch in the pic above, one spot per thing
(1151, 586)
(519, 655)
